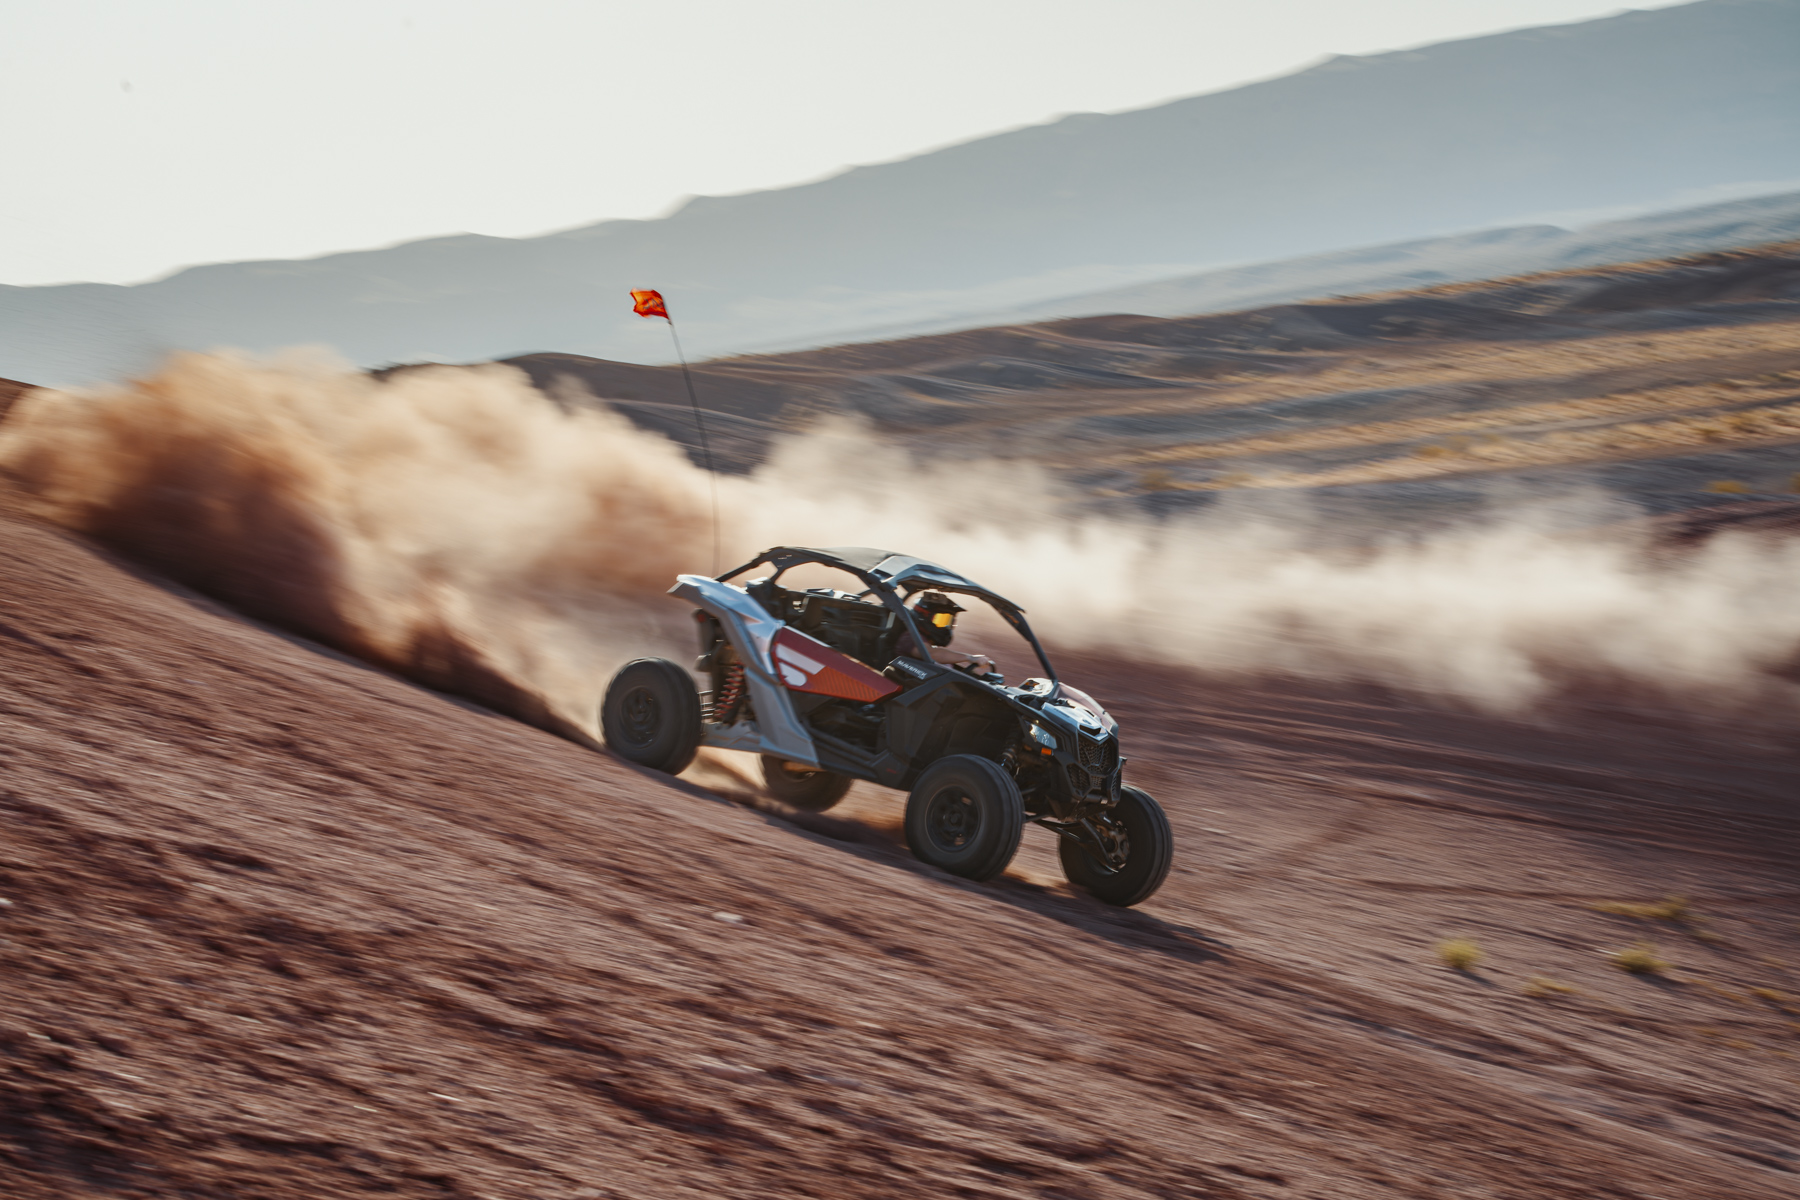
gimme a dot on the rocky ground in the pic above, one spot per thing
(276, 924)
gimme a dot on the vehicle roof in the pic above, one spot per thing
(902, 571)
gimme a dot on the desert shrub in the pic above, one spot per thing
(1430, 450)
(1671, 908)
(1730, 487)
(1459, 954)
(1157, 479)
(1543, 985)
(1639, 960)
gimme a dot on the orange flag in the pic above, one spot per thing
(648, 304)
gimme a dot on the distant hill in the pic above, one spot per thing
(1669, 383)
(1634, 111)
(1398, 265)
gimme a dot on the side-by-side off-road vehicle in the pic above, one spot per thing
(831, 686)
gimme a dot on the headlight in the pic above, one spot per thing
(1044, 738)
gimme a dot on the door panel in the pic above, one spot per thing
(806, 664)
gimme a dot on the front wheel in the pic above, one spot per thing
(1139, 830)
(651, 715)
(965, 816)
(808, 789)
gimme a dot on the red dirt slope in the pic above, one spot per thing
(278, 925)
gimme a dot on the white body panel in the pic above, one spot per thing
(777, 729)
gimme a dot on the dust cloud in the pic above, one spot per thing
(453, 525)
(447, 523)
(1500, 615)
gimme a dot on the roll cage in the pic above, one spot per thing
(893, 579)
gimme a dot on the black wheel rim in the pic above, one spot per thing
(1116, 844)
(640, 715)
(952, 819)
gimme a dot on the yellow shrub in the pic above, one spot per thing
(1459, 954)
(1670, 908)
(1639, 960)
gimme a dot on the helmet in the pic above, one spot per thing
(936, 616)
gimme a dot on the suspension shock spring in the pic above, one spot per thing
(731, 692)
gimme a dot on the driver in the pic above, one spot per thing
(935, 615)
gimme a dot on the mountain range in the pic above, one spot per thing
(1546, 126)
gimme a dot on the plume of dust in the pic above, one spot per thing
(1500, 615)
(445, 522)
(454, 525)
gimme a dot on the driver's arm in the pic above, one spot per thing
(980, 663)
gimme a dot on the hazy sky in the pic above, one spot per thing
(137, 137)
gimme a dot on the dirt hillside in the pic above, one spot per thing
(279, 925)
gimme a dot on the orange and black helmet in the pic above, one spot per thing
(936, 616)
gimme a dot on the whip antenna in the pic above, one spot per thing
(646, 303)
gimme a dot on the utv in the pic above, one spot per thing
(831, 686)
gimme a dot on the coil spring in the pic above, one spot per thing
(730, 692)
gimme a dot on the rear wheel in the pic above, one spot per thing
(796, 785)
(1140, 832)
(965, 816)
(651, 715)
